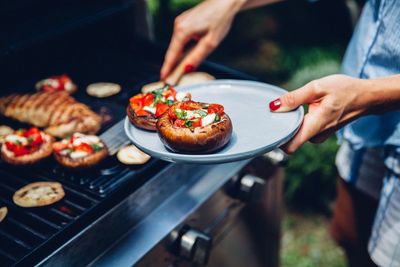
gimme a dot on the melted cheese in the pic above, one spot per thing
(16, 138)
(150, 109)
(85, 139)
(78, 154)
(207, 120)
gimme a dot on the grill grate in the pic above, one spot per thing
(27, 233)
(25, 229)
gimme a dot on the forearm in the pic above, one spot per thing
(382, 95)
(248, 4)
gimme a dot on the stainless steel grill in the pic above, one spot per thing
(103, 204)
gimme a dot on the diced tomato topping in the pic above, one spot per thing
(31, 131)
(171, 112)
(179, 123)
(34, 135)
(136, 97)
(63, 79)
(216, 108)
(170, 92)
(21, 150)
(148, 100)
(84, 147)
(196, 122)
(10, 146)
(136, 105)
(37, 139)
(190, 105)
(142, 113)
(161, 109)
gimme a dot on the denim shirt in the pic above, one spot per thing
(373, 52)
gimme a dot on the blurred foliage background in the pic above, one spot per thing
(289, 44)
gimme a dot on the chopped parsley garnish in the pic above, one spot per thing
(180, 113)
(188, 123)
(96, 147)
(201, 112)
(217, 117)
(158, 95)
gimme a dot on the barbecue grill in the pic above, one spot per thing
(111, 215)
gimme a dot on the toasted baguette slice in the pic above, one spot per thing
(44, 151)
(38, 194)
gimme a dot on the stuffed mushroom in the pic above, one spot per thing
(192, 127)
(24, 147)
(80, 151)
(145, 109)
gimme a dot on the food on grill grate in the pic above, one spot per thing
(150, 87)
(80, 151)
(195, 78)
(195, 127)
(144, 109)
(59, 112)
(38, 194)
(101, 90)
(3, 213)
(26, 147)
(4, 131)
(56, 84)
(131, 155)
(187, 79)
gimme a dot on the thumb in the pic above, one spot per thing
(294, 99)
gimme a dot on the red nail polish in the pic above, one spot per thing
(274, 105)
(189, 68)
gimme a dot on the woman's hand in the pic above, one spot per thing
(207, 24)
(332, 101)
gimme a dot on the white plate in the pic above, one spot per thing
(256, 130)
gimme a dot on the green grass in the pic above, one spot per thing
(306, 243)
(175, 5)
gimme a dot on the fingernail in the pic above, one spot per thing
(189, 68)
(274, 105)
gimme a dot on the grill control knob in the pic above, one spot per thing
(195, 246)
(251, 188)
(277, 157)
